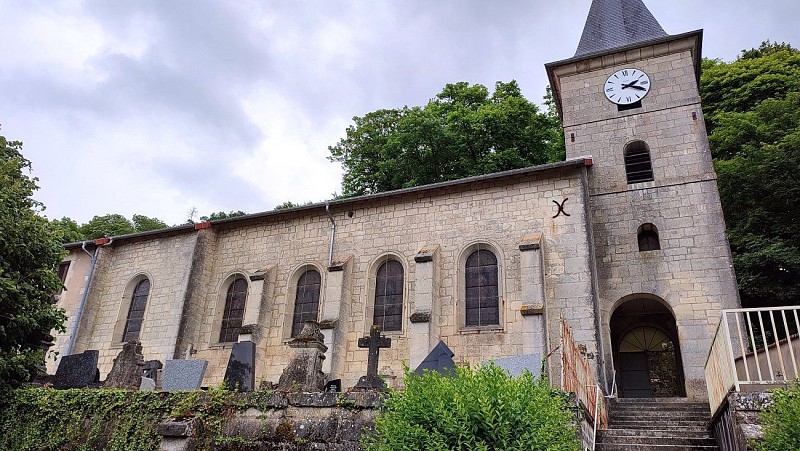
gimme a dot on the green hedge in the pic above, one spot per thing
(109, 419)
(476, 409)
(781, 421)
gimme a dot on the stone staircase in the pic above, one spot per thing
(656, 425)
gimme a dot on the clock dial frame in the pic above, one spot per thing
(627, 86)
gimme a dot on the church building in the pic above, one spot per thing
(624, 240)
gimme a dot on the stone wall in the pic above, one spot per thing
(545, 268)
(692, 273)
(736, 424)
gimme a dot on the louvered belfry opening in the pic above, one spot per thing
(306, 302)
(388, 308)
(234, 311)
(637, 162)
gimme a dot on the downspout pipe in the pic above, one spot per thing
(333, 232)
(74, 334)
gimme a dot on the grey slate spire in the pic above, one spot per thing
(617, 23)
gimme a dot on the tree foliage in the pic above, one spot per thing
(768, 72)
(476, 409)
(753, 107)
(30, 248)
(222, 215)
(463, 131)
(105, 225)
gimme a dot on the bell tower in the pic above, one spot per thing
(629, 98)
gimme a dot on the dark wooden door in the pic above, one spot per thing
(634, 375)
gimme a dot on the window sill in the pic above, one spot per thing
(496, 328)
(227, 345)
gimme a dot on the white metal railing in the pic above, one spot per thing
(754, 346)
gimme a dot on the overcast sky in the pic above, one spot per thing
(157, 107)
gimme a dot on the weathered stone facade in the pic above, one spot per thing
(564, 235)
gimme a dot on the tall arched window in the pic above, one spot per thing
(388, 309)
(482, 300)
(133, 322)
(234, 311)
(637, 162)
(648, 238)
(306, 301)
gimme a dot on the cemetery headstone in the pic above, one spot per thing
(375, 341)
(304, 372)
(333, 386)
(147, 384)
(517, 365)
(440, 359)
(127, 370)
(183, 374)
(240, 374)
(78, 370)
(150, 369)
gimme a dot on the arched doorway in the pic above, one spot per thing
(647, 354)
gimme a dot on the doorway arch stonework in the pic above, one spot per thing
(646, 349)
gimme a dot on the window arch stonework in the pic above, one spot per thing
(235, 299)
(638, 165)
(480, 285)
(647, 238)
(386, 294)
(306, 299)
(132, 314)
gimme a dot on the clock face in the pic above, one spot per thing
(627, 86)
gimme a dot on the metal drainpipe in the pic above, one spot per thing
(79, 313)
(333, 232)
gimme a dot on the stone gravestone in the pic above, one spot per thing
(147, 384)
(440, 359)
(518, 364)
(240, 374)
(127, 370)
(304, 372)
(78, 370)
(183, 374)
(150, 369)
(374, 343)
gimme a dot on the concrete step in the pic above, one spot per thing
(618, 447)
(656, 433)
(658, 416)
(673, 440)
(673, 406)
(659, 424)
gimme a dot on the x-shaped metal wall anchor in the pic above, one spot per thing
(561, 207)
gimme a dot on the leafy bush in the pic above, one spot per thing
(33, 419)
(781, 421)
(476, 409)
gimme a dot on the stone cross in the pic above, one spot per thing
(374, 343)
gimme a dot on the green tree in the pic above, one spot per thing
(30, 248)
(752, 109)
(475, 409)
(107, 225)
(222, 215)
(770, 71)
(463, 131)
(70, 230)
(142, 223)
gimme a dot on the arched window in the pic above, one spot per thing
(388, 309)
(234, 311)
(306, 302)
(648, 238)
(637, 162)
(482, 300)
(133, 322)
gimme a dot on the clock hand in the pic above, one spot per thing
(629, 85)
(639, 88)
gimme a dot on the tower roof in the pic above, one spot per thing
(617, 23)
